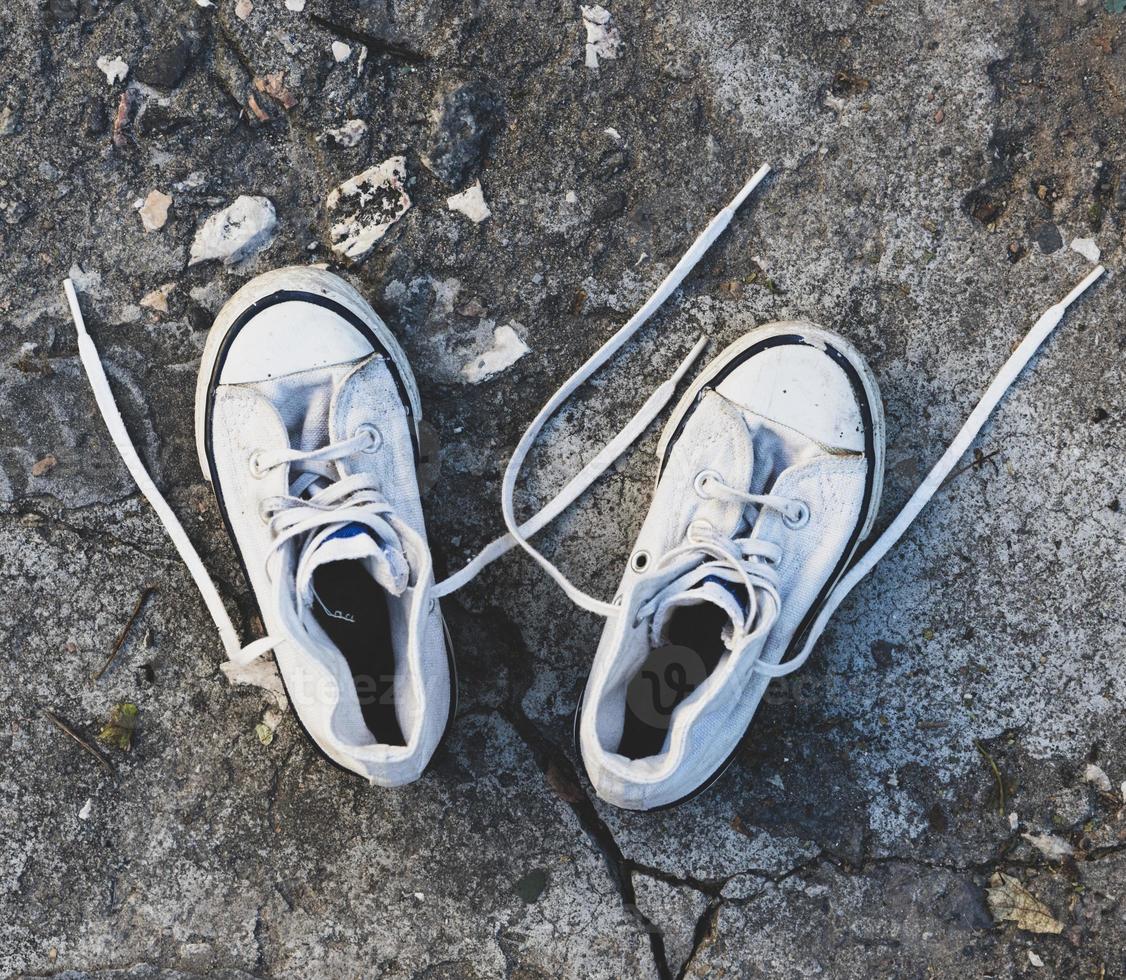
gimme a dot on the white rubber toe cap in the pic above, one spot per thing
(289, 337)
(802, 387)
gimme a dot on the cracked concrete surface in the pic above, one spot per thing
(933, 161)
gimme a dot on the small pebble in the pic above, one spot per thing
(154, 210)
(44, 466)
(114, 69)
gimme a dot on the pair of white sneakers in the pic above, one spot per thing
(771, 467)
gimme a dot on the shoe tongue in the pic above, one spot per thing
(383, 559)
(728, 596)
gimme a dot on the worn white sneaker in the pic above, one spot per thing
(306, 416)
(770, 477)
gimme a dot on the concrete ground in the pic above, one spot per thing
(963, 716)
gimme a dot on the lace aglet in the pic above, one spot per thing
(1092, 277)
(1052, 316)
(758, 178)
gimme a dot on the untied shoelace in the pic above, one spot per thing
(518, 534)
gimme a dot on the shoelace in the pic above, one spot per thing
(518, 534)
(1004, 380)
(745, 561)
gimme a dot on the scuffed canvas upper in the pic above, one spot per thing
(305, 410)
(740, 446)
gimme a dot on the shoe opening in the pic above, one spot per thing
(352, 609)
(669, 675)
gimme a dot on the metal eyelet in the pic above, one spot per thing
(639, 561)
(374, 433)
(703, 478)
(257, 470)
(799, 518)
(263, 506)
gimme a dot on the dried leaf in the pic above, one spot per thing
(118, 729)
(154, 210)
(158, 298)
(273, 85)
(1010, 901)
(562, 784)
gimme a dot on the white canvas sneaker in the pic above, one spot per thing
(770, 475)
(770, 478)
(306, 426)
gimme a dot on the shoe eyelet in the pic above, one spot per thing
(639, 561)
(373, 433)
(700, 483)
(257, 470)
(263, 506)
(799, 518)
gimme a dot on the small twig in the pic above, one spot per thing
(996, 775)
(119, 642)
(973, 463)
(63, 727)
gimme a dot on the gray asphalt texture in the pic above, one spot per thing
(934, 162)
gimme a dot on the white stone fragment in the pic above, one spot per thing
(471, 203)
(1052, 847)
(243, 9)
(113, 68)
(1087, 248)
(295, 5)
(1014, 821)
(349, 134)
(236, 232)
(204, 3)
(341, 51)
(366, 206)
(158, 299)
(602, 39)
(1034, 959)
(507, 349)
(613, 133)
(87, 809)
(1096, 777)
(154, 210)
(85, 282)
(571, 197)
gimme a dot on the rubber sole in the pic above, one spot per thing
(730, 357)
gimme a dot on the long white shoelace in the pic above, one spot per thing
(518, 534)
